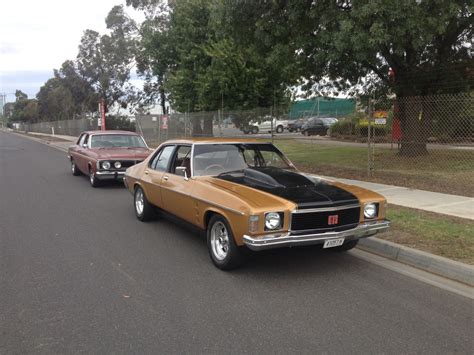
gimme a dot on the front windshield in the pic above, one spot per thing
(215, 159)
(117, 141)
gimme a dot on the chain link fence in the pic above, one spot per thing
(428, 142)
(66, 127)
(423, 142)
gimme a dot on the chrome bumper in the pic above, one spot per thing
(363, 230)
(110, 175)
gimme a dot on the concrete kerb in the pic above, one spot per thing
(425, 261)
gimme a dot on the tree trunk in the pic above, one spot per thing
(414, 118)
(162, 98)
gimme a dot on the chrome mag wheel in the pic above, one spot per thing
(139, 202)
(219, 240)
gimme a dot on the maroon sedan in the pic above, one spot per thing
(105, 155)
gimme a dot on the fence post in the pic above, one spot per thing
(369, 160)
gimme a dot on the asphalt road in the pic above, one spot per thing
(79, 273)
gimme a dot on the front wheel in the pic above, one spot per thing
(93, 179)
(225, 254)
(74, 170)
(254, 130)
(279, 129)
(346, 246)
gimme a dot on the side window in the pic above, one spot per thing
(86, 139)
(81, 139)
(161, 160)
(273, 159)
(250, 157)
(182, 157)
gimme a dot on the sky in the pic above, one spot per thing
(38, 36)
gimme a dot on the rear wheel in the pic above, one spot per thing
(224, 253)
(254, 130)
(346, 246)
(74, 170)
(279, 129)
(144, 210)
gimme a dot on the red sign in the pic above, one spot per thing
(101, 122)
(164, 122)
(332, 220)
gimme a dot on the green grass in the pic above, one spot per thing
(446, 236)
(449, 171)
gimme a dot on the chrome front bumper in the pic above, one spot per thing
(363, 230)
(109, 175)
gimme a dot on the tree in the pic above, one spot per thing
(194, 55)
(24, 109)
(106, 61)
(425, 43)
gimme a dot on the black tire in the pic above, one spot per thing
(346, 246)
(147, 211)
(93, 179)
(226, 255)
(74, 170)
(254, 130)
(246, 131)
(279, 129)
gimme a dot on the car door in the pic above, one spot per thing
(317, 126)
(79, 154)
(153, 174)
(176, 189)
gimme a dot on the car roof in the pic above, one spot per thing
(112, 131)
(212, 140)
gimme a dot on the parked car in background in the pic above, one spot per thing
(295, 125)
(317, 126)
(247, 194)
(105, 155)
(265, 126)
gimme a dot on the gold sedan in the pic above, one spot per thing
(247, 194)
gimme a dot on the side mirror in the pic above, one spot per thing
(181, 171)
(84, 145)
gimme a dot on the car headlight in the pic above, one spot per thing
(106, 165)
(370, 210)
(117, 165)
(272, 221)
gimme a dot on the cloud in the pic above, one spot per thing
(38, 36)
(27, 81)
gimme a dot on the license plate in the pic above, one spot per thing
(333, 243)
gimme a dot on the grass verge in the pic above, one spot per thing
(447, 171)
(434, 233)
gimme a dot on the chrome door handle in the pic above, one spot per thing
(165, 178)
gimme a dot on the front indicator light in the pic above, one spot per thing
(253, 224)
